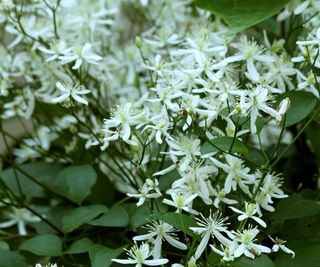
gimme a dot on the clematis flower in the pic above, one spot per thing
(250, 52)
(159, 231)
(247, 246)
(213, 226)
(148, 190)
(256, 101)
(20, 217)
(279, 244)
(139, 256)
(237, 173)
(79, 55)
(181, 202)
(47, 265)
(69, 92)
(250, 211)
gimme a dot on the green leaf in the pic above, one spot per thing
(79, 216)
(242, 14)
(301, 105)
(11, 259)
(261, 261)
(295, 207)
(138, 215)
(42, 173)
(166, 180)
(213, 258)
(224, 143)
(307, 254)
(80, 246)
(115, 217)
(4, 245)
(101, 256)
(75, 182)
(43, 245)
(174, 219)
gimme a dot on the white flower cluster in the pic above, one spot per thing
(151, 106)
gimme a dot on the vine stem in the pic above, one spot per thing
(297, 136)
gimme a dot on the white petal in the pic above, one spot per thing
(79, 99)
(7, 224)
(254, 75)
(144, 237)
(300, 8)
(240, 250)
(286, 250)
(77, 64)
(259, 221)
(157, 247)
(124, 261)
(155, 262)
(60, 98)
(175, 243)
(22, 228)
(202, 246)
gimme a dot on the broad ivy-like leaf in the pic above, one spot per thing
(43, 245)
(241, 14)
(75, 182)
(224, 143)
(307, 254)
(79, 216)
(179, 221)
(261, 261)
(43, 173)
(80, 246)
(115, 217)
(101, 256)
(295, 207)
(138, 215)
(11, 259)
(301, 105)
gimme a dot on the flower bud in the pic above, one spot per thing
(138, 42)
(283, 108)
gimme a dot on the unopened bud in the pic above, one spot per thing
(283, 108)
(138, 42)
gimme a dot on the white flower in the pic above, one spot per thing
(124, 117)
(148, 190)
(315, 40)
(181, 202)
(237, 173)
(79, 55)
(158, 67)
(69, 92)
(47, 265)
(271, 188)
(250, 52)
(213, 226)
(250, 211)
(7, 4)
(191, 263)
(160, 127)
(161, 231)
(247, 247)
(20, 217)
(57, 49)
(139, 255)
(188, 147)
(279, 244)
(256, 101)
(220, 196)
(227, 252)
